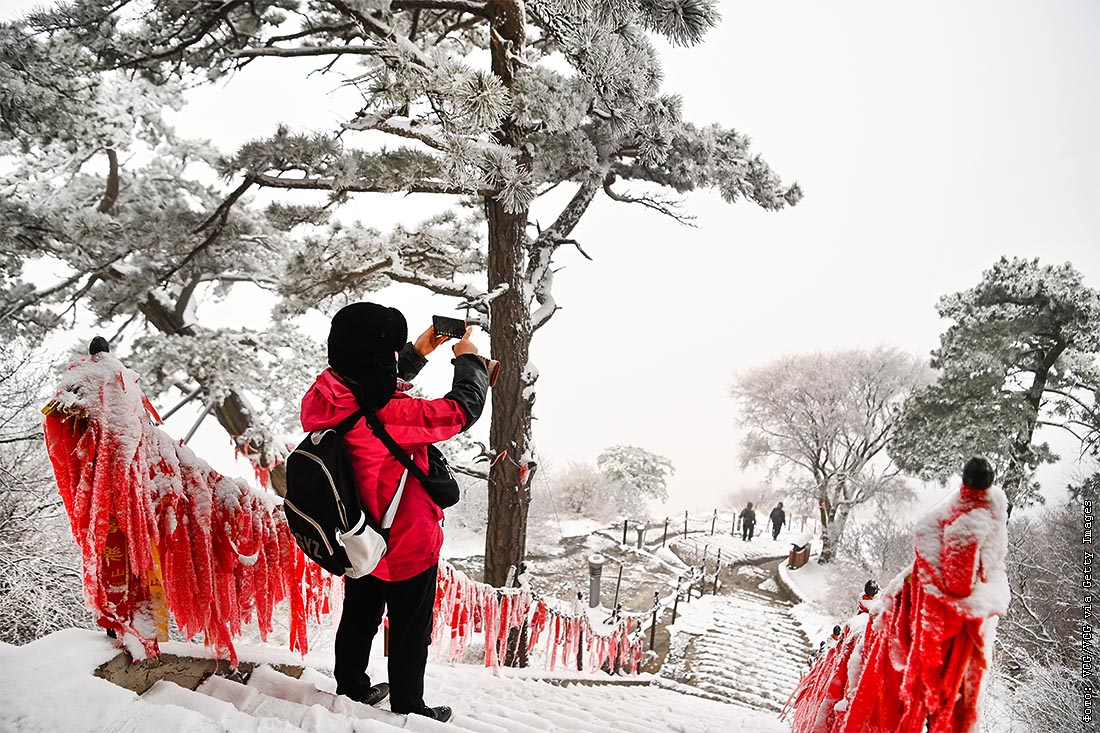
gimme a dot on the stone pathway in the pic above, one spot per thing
(742, 645)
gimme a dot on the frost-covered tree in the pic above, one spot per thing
(117, 218)
(635, 477)
(40, 581)
(581, 490)
(824, 420)
(882, 542)
(490, 102)
(1044, 617)
(1020, 354)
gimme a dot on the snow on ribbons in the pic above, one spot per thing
(467, 607)
(147, 513)
(922, 651)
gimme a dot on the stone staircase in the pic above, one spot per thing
(271, 702)
(745, 648)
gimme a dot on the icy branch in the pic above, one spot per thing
(481, 302)
(332, 184)
(378, 28)
(570, 215)
(474, 7)
(431, 136)
(668, 206)
(287, 53)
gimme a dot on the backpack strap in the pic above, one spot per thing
(406, 460)
(348, 422)
(391, 512)
(342, 429)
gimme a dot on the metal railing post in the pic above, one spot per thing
(653, 626)
(595, 570)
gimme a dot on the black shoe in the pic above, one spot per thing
(441, 713)
(372, 696)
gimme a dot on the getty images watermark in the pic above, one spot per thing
(1088, 582)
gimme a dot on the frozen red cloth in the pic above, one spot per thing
(416, 535)
(226, 553)
(924, 656)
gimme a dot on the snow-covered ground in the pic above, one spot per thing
(695, 547)
(810, 584)
(48, 685)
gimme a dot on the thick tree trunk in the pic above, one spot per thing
(832, 532)
(1022, 459)
(510, 333)
(510, 429)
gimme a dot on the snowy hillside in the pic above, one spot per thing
(49, 686)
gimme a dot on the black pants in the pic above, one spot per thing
(410, 603)
(775, 530)
(747, 529)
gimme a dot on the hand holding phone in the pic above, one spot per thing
(465, 345)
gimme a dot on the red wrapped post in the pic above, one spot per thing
(919, 663)
(156, 524)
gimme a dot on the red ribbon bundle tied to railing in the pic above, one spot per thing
(141, 503)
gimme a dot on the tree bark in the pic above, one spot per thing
(510, 334)
(830, 535)
(1021, 454)
(510, 429)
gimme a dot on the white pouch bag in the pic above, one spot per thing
(365, 545)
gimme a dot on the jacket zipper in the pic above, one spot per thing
(309, 519)
(332, 485)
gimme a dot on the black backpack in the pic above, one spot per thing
(323, 508)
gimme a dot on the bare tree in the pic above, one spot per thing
(1044, 618)
(40, 585)
(824, 420)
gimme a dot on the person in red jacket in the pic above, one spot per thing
(363, 373)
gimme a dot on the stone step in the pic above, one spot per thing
(220, 712)
(752, 653)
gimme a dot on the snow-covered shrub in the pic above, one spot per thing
(582, 491)
(1032, 697)
(880, 542)
(40, 589)
(1043, 619)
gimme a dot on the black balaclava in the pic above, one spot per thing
(362, 342)
(978, 473)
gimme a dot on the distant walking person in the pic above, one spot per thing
(748, 522)
(779, 518)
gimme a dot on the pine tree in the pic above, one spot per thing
(495, 102)
(1020, 354)
(101, 190)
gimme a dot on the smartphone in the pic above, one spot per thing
(450, 327)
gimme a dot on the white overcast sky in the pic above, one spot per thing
(930, 139)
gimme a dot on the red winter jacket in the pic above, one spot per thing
(416, 535)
